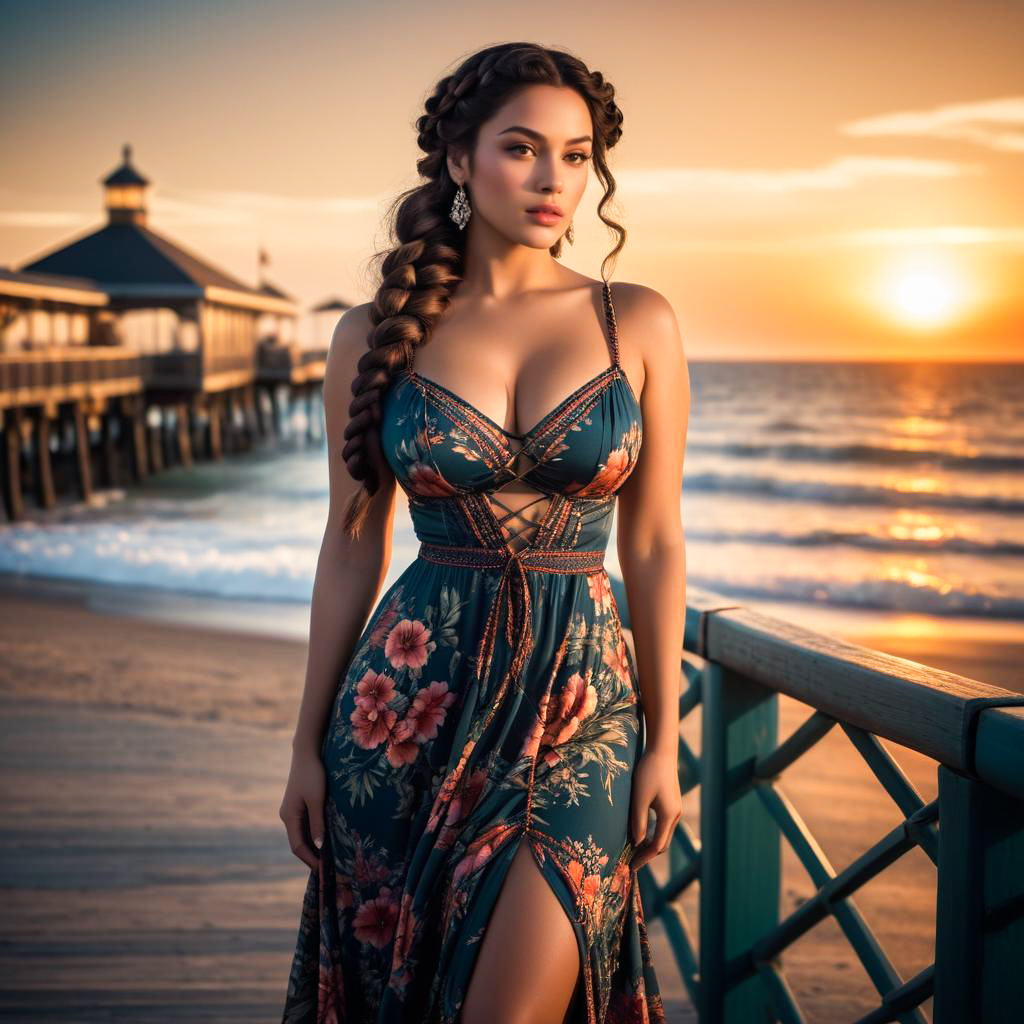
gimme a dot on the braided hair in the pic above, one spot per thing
(425, 261)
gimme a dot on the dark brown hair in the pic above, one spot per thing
(421, 268)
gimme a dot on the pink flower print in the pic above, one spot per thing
(408, 644)
(558, 721)
(577, 701)
(620, 877)
(374, 691)
(427, 711)
(401, 975)
(587, 886)
(462, 804)
(451, 780)
(600, 590)
(472, 861)
(384, 623)
(611, 474)
(617, 658)
(427, 482)
(374, 921)
(372, 727)
(402, 747)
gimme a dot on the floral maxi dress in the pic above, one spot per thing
(490, 700)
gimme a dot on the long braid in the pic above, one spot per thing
(420, 271)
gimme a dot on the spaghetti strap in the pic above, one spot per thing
(609, 312)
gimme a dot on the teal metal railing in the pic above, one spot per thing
(973, 832)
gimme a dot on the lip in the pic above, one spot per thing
(549, 208)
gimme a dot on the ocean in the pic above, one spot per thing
(852, 489)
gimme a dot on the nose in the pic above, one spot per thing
(550, 180)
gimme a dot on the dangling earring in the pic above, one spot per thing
(460, 208)
(568, 233)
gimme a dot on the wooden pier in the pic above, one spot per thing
(123, 353)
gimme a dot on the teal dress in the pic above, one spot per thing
(489, 701)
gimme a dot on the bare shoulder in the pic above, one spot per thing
(347, 346)
(646, 314)
(647, 325)
(348, 342)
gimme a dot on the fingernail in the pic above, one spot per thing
(318, 842)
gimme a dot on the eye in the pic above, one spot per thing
(519, 145)
(583, 157)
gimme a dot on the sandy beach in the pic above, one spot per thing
(148, 877)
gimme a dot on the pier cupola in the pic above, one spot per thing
(125, 192)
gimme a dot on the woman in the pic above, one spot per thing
(472, 800)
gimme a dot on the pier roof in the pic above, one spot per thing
(29, 287)
(130, 260)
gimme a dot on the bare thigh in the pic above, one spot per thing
(528, 965)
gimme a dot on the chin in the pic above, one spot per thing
(532, 243)
(542, 238)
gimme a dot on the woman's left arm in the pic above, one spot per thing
(652, 554)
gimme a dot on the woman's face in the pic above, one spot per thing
(535, 150)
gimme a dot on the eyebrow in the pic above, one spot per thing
(540, 138)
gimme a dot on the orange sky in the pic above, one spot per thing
(802, 180)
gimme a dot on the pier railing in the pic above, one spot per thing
(67, 373)
(973, 832)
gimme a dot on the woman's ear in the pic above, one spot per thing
(457, 166)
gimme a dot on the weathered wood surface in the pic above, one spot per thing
(146, 874)
(926, 708)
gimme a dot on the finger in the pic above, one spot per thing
(641, 856)
(297, 842)
(316, 823)
(641, 817)
(663, 833)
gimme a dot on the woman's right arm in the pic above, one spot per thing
(349, 575)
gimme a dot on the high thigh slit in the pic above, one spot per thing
(490, 701)
(520, 848)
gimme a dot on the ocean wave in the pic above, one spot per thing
(863, 540)
(845, 494)
(873, 454)
(877, 595)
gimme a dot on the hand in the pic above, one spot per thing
(302, 809)
(655, 784)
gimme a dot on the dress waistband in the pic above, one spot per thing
(560, 560)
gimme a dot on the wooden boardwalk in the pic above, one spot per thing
(147, 877)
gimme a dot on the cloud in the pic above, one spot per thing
(44, 219)
(866, 238)
(842, 173)
(997, 124)
(182, 206)
(196, 208)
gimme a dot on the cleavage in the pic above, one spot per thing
(548, 413)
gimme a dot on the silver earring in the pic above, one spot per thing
(460, 208)
(568, 233)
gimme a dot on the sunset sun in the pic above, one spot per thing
(923, 290)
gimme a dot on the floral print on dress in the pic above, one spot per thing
(442, 763)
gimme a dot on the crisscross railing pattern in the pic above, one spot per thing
(973, 832)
